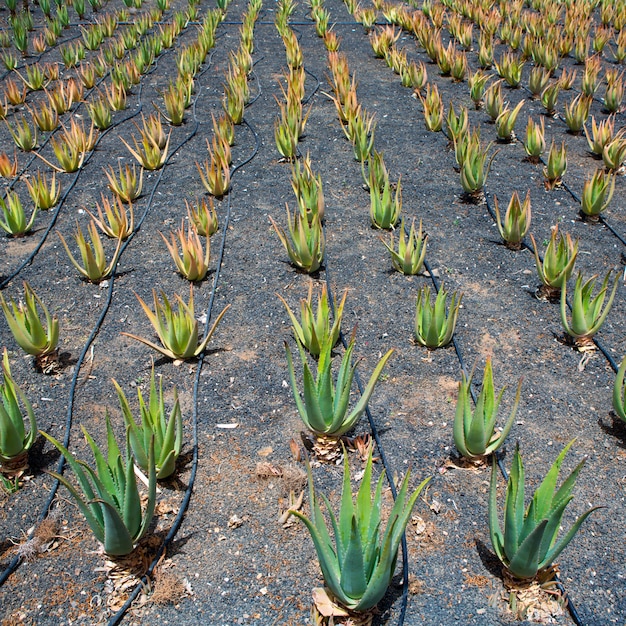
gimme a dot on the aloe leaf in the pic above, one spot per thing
(462, 417)
(618, 391)
(514, 506)
(562, 544)
(353, 580)
(346, 515)
(497, 443)
(495, 530)
(525, 561)
(94, 522)
(294, 388)
(148, 514)
(117, 539)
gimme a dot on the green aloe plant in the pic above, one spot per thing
(15, 442)
(434, 326)
(108, 496)
(528, 542)
(588, 313)
(306, 243)
(516, 223)
(558, 262)
(39, 340)
(619, 392)
(94, 266)
(474, 429)
(325, 407)
(14, 220)
(358, 568)
(314, 329)
(156, 429)
(177, 331)
(409, 257)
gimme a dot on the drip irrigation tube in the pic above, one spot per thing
(570, 605)
(194, 464)
(381, 452)
(16, 561)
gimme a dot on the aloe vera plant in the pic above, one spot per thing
(306, 243)
(408, 258)
(108, 496)
(35, 338)
(529, 542)
(474, 429)
(619, 392)
(94, 265)
(558, 262)
(358, 568)
(314, 329)
(434, 326)
(177, 331)
(156, 429)
(588, 311)
(191, 262)
(13, 219)
(15, 442)
(324, 410)
(516, 221)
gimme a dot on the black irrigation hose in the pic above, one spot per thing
(381, 452)
(16, 561)
(194, 464)
(29, 259)
(570, 605)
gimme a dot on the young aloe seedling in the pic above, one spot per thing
(587, 310)
(619, 392)
(558, 262)
(556, 167)
(177, 332)
(505, 122)
(516, 220)
(456, 125)
(314, 330)
(44, 195)
(535, 144)
(357, 570)
(108, 496)
(203, 216)
(308, 188)
(113, 220)
(474, 429)
(475, 168)
(601, 134)
(528, 544)
(15, 442)
(597, 194)
(37, 339)
(94, 265)
(191, 262)
(434, 326)
(148, 153)
(385, 208)
(409, 257)
(216, 173)
(433, 108)
(14, 220)
(324, 410)
(127, 185)
(166, 434)
(306, 243)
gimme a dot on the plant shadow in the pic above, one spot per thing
(617, 429)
